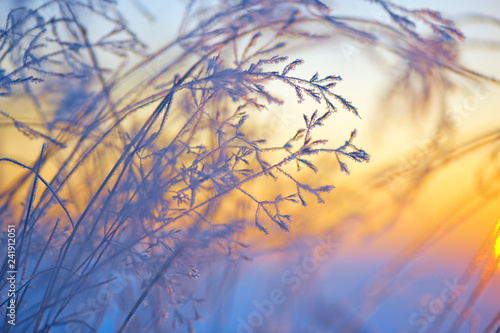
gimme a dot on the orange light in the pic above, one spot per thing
(497, 243)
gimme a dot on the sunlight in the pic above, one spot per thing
(497, 243)
(202, 166)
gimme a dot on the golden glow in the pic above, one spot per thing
(497, 243)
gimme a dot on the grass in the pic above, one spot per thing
(145, 169)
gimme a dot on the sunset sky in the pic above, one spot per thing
(400, 242)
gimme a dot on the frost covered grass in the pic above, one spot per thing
(115, 237)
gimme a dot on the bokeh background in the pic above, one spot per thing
(410, 228)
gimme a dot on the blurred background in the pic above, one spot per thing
(405, 243)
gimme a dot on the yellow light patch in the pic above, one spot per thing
(497, 243)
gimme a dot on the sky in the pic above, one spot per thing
(367, 249)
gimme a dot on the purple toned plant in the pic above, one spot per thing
(114, 238)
